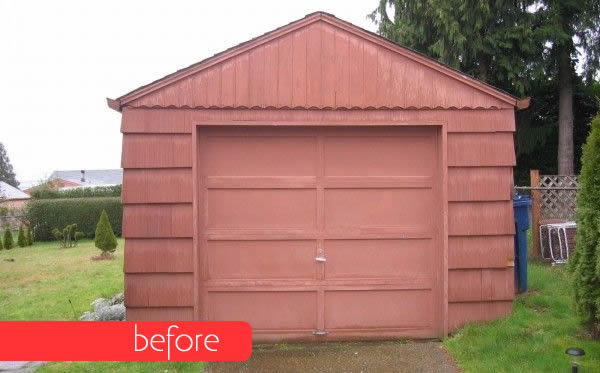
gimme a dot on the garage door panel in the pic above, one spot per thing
(261, 208)
(378, 207)
(378, 309)
(266, 310)
(278, 199)
(275, 259)
(260, 155)
(378, 156)
(392, 258)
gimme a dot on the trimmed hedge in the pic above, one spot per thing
(46, 214)
(45, 192)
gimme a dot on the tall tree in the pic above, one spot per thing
(6, 169)
(570, 30)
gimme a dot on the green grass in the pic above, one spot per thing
(42, 279)
(534, 337)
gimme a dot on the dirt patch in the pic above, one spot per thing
(390, 356)
(103, 256)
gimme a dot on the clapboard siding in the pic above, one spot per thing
(164, 185)
(158, 255)
(158, 221)
(159, 290)
(156, 150)
(461, 313)
(476, 285)
(480, 218)
(304, 65)
(181, 121)
(160, 313)
(480, 251)
(479, 183)
(481, 149)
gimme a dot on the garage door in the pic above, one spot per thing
(321, 232)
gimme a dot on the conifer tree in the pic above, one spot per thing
(585, 261)
(105, 238)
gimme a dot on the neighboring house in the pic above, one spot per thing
(87, 178)
(11, 197)
(67, 179)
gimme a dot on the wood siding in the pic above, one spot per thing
(158, 193)
(320, 66)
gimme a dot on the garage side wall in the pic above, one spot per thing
(158, 193)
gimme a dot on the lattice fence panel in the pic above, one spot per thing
(558, 196)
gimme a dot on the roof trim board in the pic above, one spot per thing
(140, 92)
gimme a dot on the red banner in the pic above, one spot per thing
(125, 340)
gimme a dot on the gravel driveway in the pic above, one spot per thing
(365, 357)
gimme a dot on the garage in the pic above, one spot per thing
(349, 222)
(321, 183)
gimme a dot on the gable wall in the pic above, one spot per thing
(158, 192)
(320, 65)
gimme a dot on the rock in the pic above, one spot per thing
(106, 310)
(100, 303)
(119, 298)
(116, 312)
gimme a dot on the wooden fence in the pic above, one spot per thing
(553, 198)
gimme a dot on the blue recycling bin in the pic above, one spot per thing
(521, 206)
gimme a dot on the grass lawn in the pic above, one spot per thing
(534, 337)
(43, 278)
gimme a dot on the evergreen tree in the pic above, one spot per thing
(105, 238)
(6, 169)
(8, 240)
(585, 261)
(21, 240)
(29, 236)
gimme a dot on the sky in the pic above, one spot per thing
(60, 60)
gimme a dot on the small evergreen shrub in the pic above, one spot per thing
(8, 240)
(585, 261)
(105, 238)
(28, 236)
(21, 240)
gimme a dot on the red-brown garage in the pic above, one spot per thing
(320, 183)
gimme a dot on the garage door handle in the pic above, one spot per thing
(320, 259)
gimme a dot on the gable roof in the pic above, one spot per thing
(9, 192)
(91, 177)
(292, 57)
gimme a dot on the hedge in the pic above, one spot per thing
(45, 192)
(46, 214)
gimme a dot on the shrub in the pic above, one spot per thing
(29, 236)
(8, 240)
(69, 236)
(46, 214)
(49, 191)
(1, 244)
(21, 240)
(105, 238)
(585, 261)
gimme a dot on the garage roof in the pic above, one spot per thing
(313, 58)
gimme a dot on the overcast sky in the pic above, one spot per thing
(61, 59)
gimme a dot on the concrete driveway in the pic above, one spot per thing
(389, 356)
